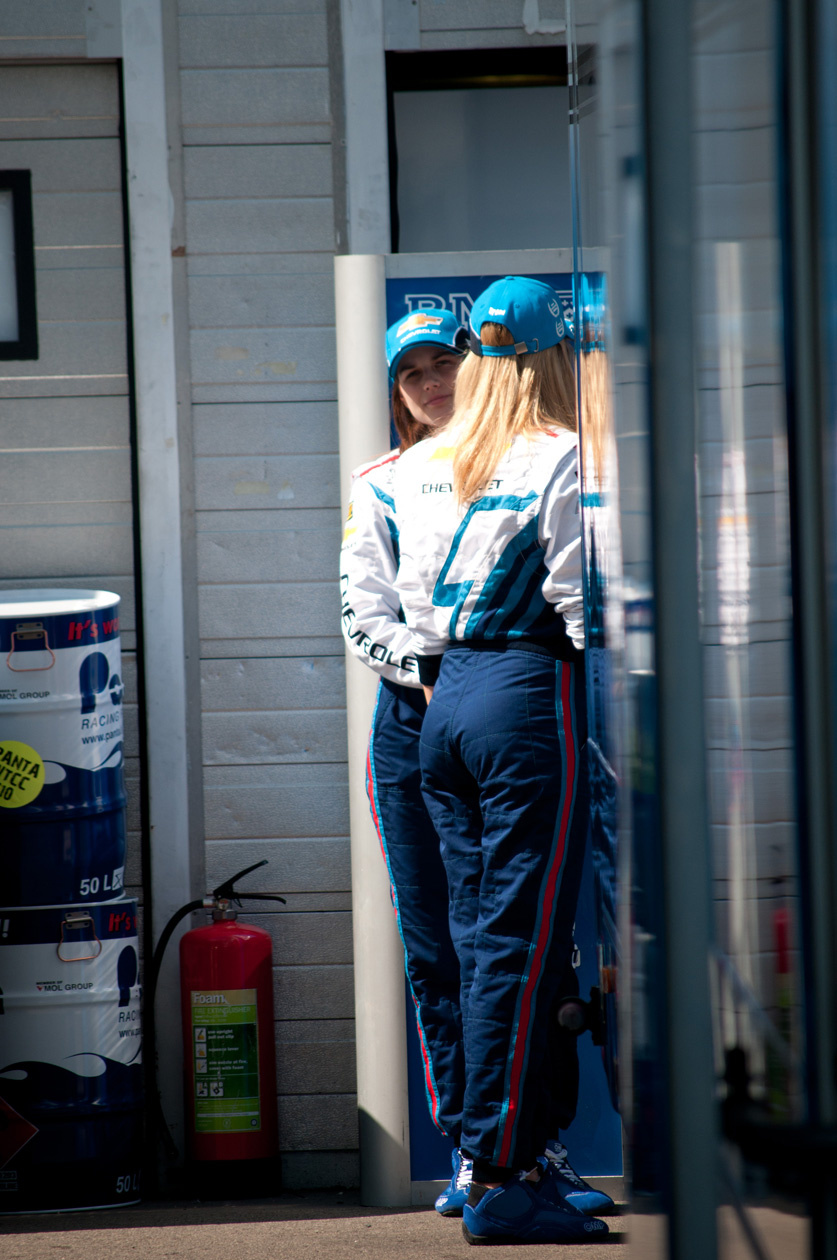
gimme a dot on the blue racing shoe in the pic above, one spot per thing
(526, 1211)
(573, 1188)
(455, 1194)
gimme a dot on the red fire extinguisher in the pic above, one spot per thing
(226, 995)
(229, 1057)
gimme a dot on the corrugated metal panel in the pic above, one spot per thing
(253, 39)
(289, 106)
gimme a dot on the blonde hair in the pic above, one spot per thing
(497, 399)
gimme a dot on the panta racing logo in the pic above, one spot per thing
(420, 319)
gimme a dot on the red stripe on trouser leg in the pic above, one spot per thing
(550, 899)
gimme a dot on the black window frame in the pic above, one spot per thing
(19, 183)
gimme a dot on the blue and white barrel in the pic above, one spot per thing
(62, 796)
(70, 1057)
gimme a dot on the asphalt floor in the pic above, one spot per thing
(288, 1227)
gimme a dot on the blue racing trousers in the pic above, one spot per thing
(419, 889)
(503, 778)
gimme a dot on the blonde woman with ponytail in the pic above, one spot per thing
(490, 585)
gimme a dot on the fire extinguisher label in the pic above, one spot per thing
(225, 1054)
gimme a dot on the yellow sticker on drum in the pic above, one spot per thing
(21, 774)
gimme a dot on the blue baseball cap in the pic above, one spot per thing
(529, 309)
(423, 328)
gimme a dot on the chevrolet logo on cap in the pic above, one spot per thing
(420, 319)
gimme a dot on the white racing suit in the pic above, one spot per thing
(376, 634)
(492, 592)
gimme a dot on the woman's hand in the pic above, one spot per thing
(428, 693)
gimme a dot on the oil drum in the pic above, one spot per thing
(71, 1073)
(62, 795)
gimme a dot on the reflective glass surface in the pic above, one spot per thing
(742, 556)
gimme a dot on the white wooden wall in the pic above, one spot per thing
(260, 104)
(258, 133)
(65, 467)
(257, 137)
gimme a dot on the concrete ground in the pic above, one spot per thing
(290, 1226)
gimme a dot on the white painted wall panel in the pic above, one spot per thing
(259, 170)
(298, 481)
(313, 992)
(192, 8)
(317, 1122)
(261, 290)
(489, 15)
(309, 940)
(281, 106)
(48, 422)
(260, 238)
(264, 364)
(270, 225)
(55, 100)
(266, 429)
(77, 218)
(74, 359)
(230, 686)
(281, 738)
(316, 1068)
(253, 39)
(48, 28)
(80, 294)
(292, 547)
(65, 165)
(61, 551)
(292, 609)
(234, 646)
(296, 864)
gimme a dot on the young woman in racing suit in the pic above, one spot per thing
(424, 351)
(490, 584)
